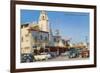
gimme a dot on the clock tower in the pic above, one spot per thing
(43, 21)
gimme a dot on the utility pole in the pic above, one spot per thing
(86, 39)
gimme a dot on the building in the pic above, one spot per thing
(26, 41)
(39, 35)
(43, 22)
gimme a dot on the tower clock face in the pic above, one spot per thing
(43, 18)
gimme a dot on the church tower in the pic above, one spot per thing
(43, 21)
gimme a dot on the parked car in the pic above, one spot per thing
(53, 54)
(73, 53)
(42, 56)
(65, 53)
(85, 54)
(47, 54)
(27, 58)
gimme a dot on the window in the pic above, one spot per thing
(35, 38)
(41, 37)
(26, 48)
(22, 39)
(46, 38)
(26, 35)
(54, 39)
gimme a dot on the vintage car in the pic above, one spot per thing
(27, 58)
(65, 53)
(85, 54)
(73, 53)
(53, 54)
(42, 56)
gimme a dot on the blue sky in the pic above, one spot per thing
(74, 25)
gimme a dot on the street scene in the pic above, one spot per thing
(54, 36)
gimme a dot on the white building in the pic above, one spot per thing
(26, 41)
(39, 35)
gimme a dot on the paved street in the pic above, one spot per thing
(64, 58)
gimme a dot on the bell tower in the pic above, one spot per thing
(43, 21)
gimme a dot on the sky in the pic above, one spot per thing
(71, 25)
